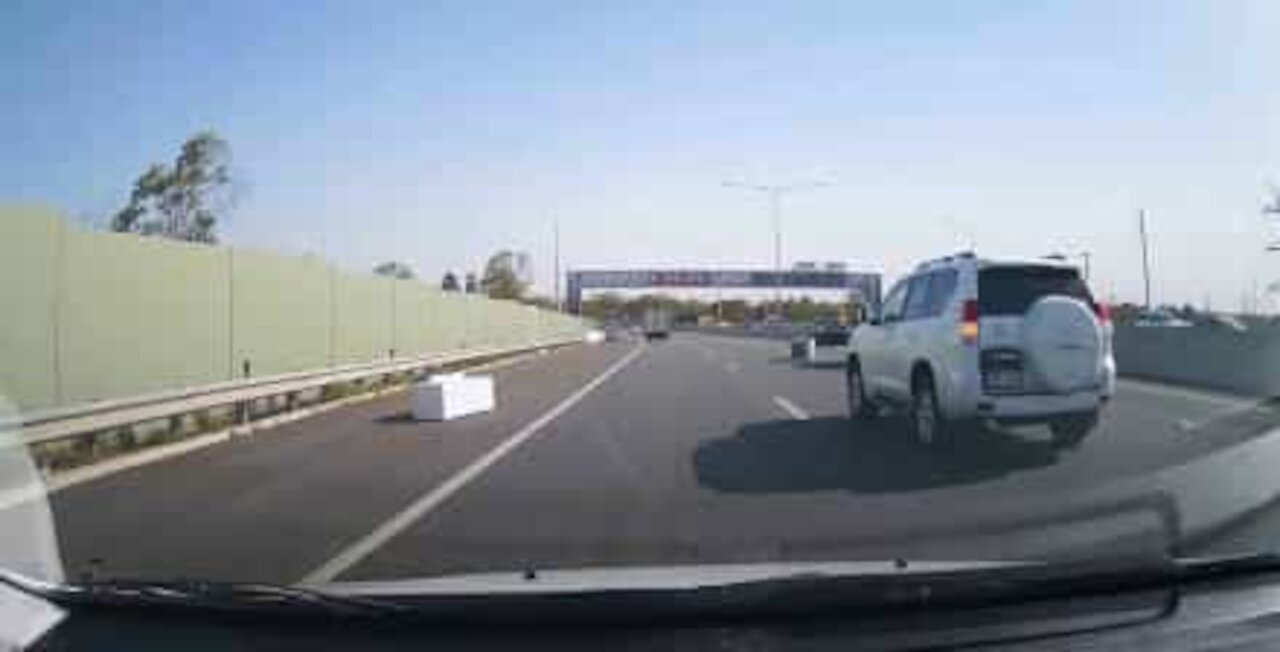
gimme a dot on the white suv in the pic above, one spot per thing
(964, 338)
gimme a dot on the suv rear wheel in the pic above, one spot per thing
(860, 407)
(927, 423)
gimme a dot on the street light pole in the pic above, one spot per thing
(1146, 265)
(775, 210)
(775, 193)
(1273, 209)
(555, 234)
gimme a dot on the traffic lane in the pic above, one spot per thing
(1145, 427)
(1130, 423)
(821, 388)
(271, 506)
(608, 480)
(685, 457)
(1149, 425)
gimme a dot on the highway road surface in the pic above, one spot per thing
(702, 448)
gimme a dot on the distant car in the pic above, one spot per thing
(821, 344)
(827, 334)
(964, 338)
(1161, 319)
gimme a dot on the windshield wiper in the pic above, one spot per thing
(804, 594)
(220, 596)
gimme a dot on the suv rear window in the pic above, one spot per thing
(1012, 290)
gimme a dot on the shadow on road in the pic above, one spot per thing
(878, 457)
(826, 364)
(397, 418)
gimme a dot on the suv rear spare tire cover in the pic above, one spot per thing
(1062, 342)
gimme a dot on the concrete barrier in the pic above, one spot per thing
(1210, 357)
(1243, 362)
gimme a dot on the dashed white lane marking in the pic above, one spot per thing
(367, 545)
(790, 408)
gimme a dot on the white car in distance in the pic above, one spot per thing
(965, 340)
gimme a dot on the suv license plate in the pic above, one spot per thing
(1004, 379)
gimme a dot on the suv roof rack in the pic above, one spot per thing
(960, 255)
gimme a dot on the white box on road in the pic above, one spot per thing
(449, 396)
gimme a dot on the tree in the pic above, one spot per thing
(450, 282)
(181, 201)
(608, 305)
(734, 311)
(804, 310)
(394, 269)
(500, 280)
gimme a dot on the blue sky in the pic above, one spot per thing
(438, 132)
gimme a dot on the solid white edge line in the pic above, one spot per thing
(90, 472)
(368, 544)
(791, 409)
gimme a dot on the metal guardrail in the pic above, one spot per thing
(74, 421)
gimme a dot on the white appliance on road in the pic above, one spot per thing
(449, 396)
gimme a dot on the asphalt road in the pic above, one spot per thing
(697, 449)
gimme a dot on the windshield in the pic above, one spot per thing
(323, 295)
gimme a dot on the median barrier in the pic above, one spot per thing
(1242, 362)
(1204, 356)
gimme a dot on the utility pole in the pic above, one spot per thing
(1146, 264)
(555, 235)
(1085, 256)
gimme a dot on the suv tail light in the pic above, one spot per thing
(969, 322)
(1103, 311)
